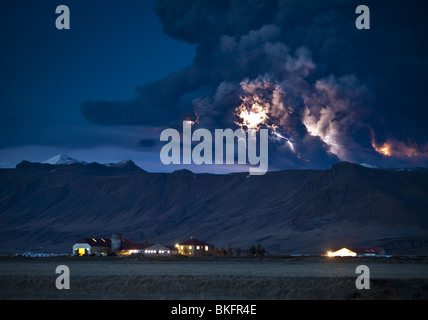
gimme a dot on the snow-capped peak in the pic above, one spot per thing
(63, 159)
(120, 164)
(371, 166)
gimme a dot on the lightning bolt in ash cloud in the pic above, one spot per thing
(301, 69)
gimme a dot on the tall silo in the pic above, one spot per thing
(116, 242)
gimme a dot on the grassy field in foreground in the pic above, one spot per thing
(267, 278)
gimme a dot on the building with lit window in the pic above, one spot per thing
(90, 246)
(157, 250)
(369, 252)
(357, 252)
(344, 252)
(129, 247)
(194, 247)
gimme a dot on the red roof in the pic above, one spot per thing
(131, 245)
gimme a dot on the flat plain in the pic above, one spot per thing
(284, 278)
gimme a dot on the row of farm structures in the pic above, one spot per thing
(117, 245)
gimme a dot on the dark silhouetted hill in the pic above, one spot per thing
(291, 211)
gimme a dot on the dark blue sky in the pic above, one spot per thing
(111, 48)
(103, 90)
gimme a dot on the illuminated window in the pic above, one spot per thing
(182, 248)
(190, 247)
(197, 247)
(206, 248)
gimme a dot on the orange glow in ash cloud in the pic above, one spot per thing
(384, 149)
(392, 147)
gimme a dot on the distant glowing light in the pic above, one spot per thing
(344, 252)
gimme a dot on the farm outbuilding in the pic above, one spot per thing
(357, 252)
(369, 252)
(157, 250)
(103, 246)
(88, 246)
(129, 246)
(344, 252)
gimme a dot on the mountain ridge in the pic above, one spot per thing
(289, 211)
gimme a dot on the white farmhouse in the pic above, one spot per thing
(157, 250)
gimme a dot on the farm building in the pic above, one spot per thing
(157, 250)
(194, 247)
(369, 252)
(102, 246)
(88, 246)
(357, 252)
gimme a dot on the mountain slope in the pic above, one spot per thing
(287, 211)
